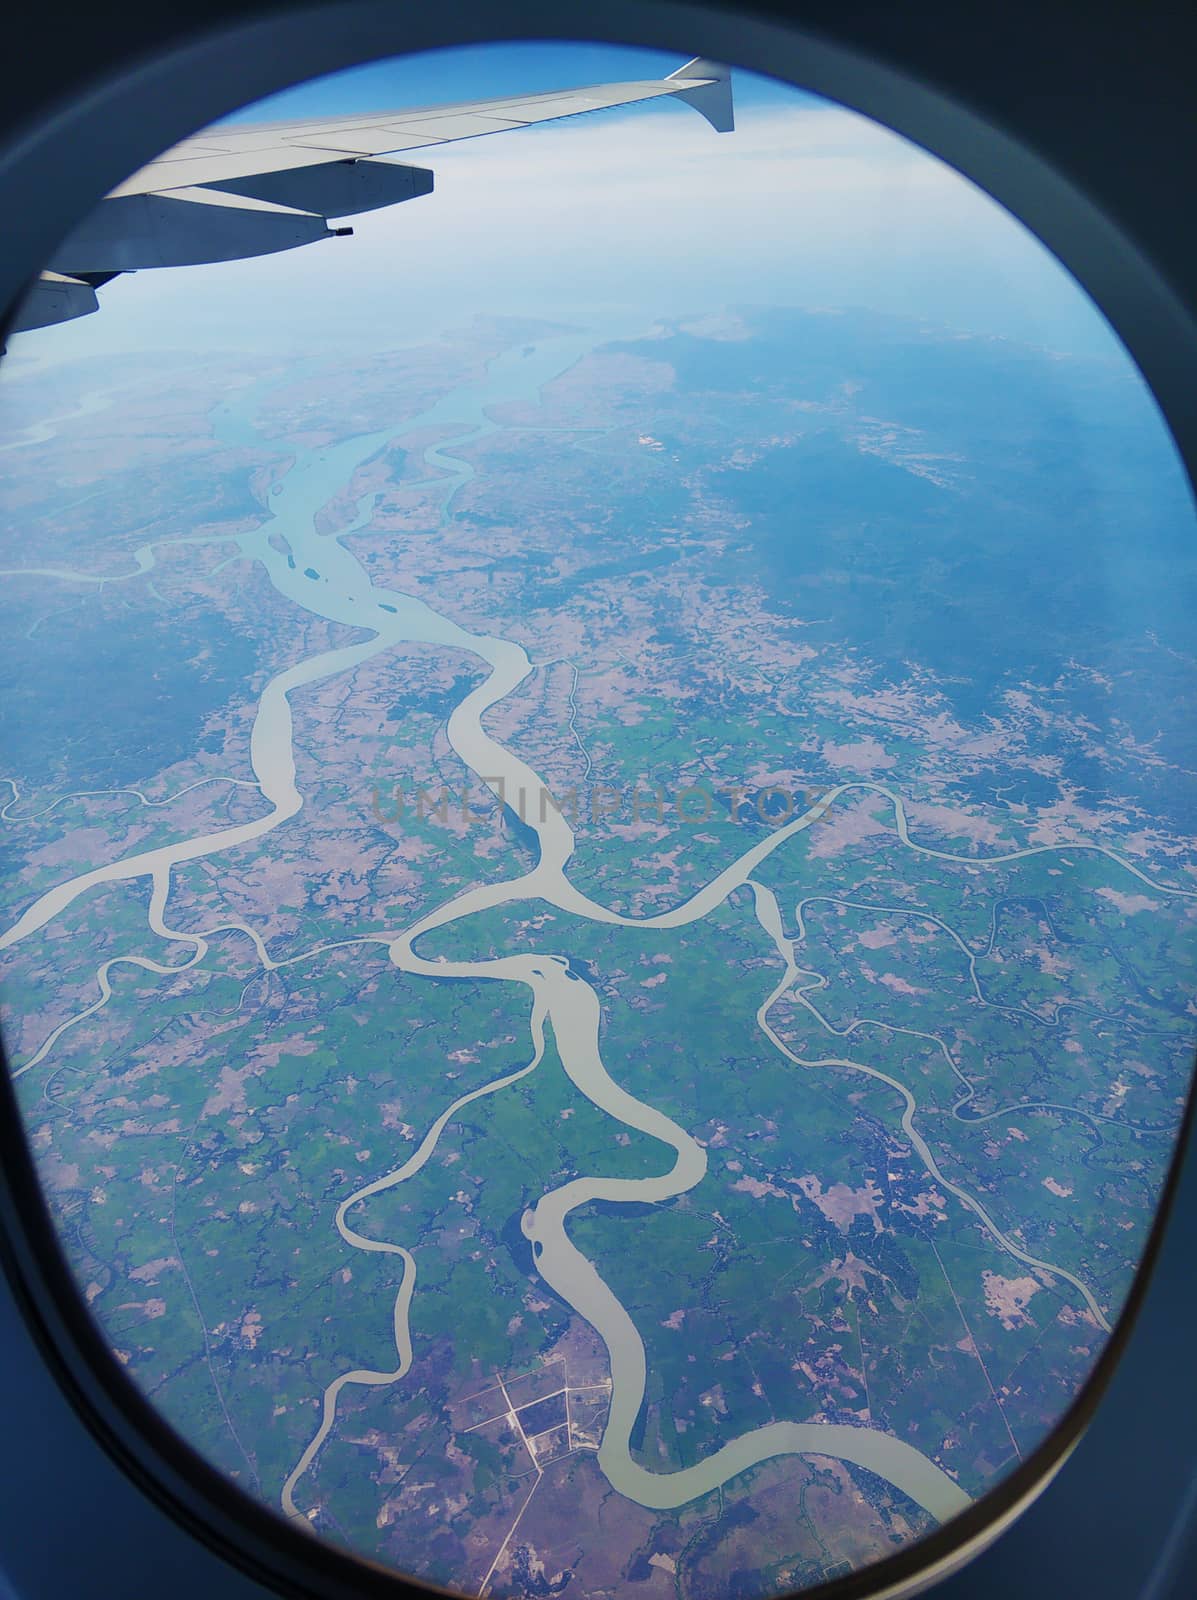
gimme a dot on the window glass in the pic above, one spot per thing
(598, 825)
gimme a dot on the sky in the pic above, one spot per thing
(641, 212)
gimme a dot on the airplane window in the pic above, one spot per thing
(599, 818)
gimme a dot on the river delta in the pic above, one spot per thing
(917, 990)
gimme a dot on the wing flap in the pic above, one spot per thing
(54, 298)
(335, 188)
(182, 229)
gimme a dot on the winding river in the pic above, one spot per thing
(321, 576)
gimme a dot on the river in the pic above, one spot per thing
(321, 576)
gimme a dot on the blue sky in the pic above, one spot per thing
(477, 72)
(642, 212)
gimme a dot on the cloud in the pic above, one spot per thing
(642, 187)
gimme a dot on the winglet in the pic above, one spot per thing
(711, 97)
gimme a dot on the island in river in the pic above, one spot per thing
(599, 926)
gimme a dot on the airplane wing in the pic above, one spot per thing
(244, 190)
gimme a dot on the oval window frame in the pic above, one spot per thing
(129, 118)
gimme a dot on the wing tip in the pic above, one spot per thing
(711, 95)
(700, 67)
